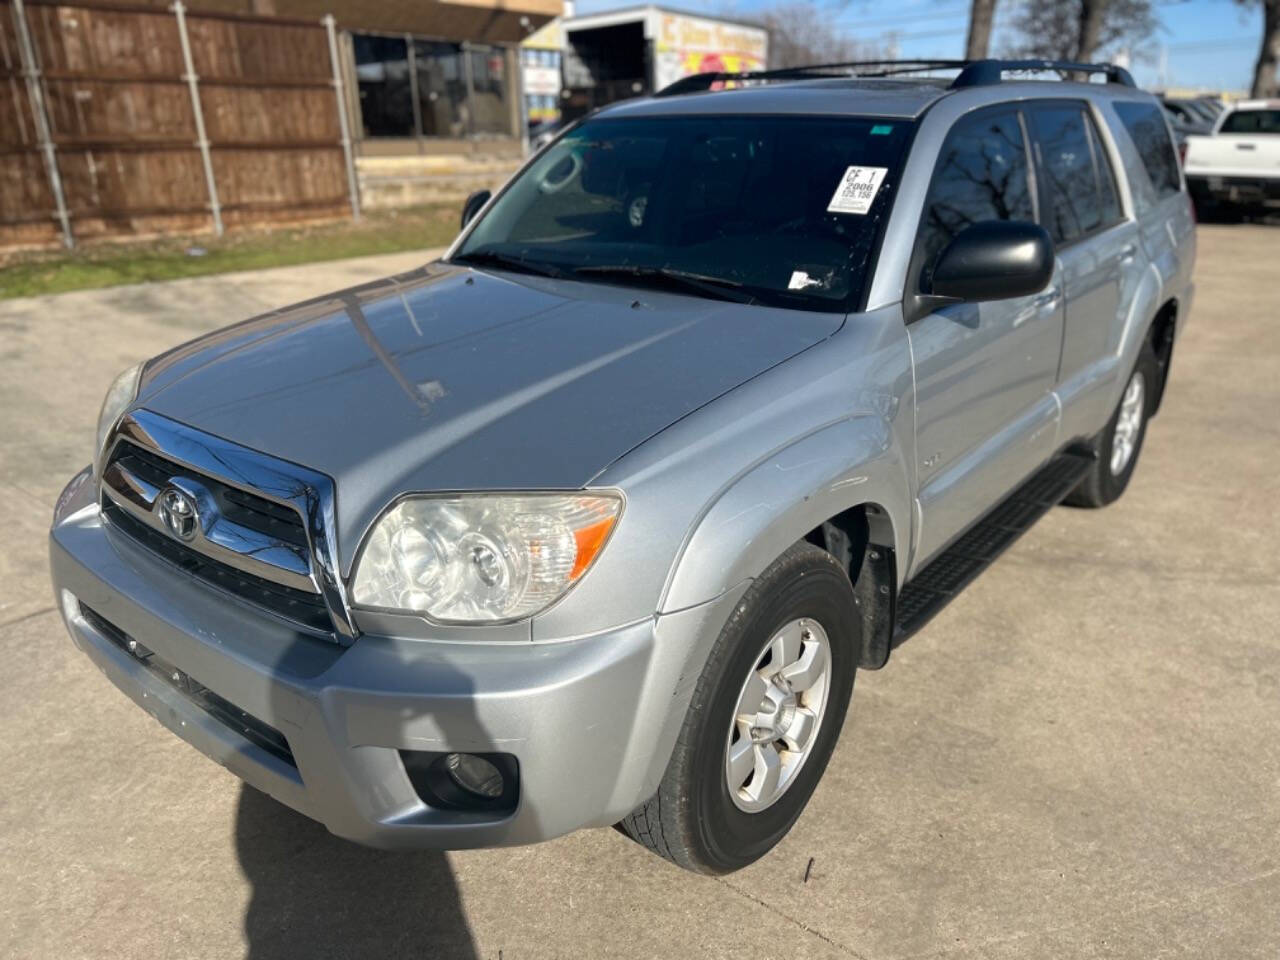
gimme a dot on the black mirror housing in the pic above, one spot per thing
(471, 206)
(994, 260)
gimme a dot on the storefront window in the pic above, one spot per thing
(442, 88)
(460, 89)
(382, 72)
(491, 112)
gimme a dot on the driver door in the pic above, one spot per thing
(985, 372)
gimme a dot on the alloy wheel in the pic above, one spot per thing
(778, 715)
(1128, 424)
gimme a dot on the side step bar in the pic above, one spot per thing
(959, 565)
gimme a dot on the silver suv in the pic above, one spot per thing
(592, 521)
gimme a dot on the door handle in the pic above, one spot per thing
(1246, 146)
(1128, 252)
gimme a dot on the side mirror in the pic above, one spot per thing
(993, 260)
(471, 206)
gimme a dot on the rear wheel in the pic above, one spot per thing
(1120, 443)
(763, 720)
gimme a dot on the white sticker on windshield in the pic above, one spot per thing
(858, 187)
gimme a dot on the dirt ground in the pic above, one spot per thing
(1078, 758)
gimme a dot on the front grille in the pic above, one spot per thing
(247, 509)
(261, 529)
(304, 609)
(256, 514)
(262, 735)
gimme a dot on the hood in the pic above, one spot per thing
(452, 379)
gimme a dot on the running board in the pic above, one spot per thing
(959, 565)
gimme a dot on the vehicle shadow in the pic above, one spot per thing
(314, 895)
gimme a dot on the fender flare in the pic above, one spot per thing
(780, 498)
(1143, 310)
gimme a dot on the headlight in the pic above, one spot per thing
(122, 392)
(482, 558)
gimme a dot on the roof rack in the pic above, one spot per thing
(701, 82)
(983, 73)
(973, 73)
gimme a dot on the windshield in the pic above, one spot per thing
(777, 210)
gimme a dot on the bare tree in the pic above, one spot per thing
(978, 42)
(1079, 29)
(1264, 72)
(801, 32)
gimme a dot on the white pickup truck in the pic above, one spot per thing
(1236, 168)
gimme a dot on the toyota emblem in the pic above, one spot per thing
(178, 511)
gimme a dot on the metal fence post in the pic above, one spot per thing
(352, 185)
(202, 139)
(31, 72)
(415, 94)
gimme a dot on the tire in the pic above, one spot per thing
(694, 819)
(1103, 484)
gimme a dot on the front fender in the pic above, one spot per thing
(778, 500)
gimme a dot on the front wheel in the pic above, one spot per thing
(763, 720)
(1120, 443)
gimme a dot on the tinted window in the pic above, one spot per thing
(1252, 121)
(1146, 126)
(786, 209)
(1078, 186)
(981, 175)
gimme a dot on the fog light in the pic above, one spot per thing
(474, 774)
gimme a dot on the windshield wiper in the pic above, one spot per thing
(715, 287)
(508, 261)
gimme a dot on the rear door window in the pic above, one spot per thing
(1252, 122)
(982, 174)
(1146, 126)
(1079, 188)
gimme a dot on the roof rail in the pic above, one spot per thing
(701, 82)
(983, 73)
(973, 73)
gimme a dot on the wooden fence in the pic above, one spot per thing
(124, 121)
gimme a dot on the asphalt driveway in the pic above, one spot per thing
(1079, 758)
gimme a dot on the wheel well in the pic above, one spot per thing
(1160, 336)
(861, 539)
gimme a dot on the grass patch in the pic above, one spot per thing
(110, 264)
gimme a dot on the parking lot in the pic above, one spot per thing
(1079, 758)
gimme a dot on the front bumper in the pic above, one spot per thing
(591, 721)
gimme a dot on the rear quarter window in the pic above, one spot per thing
(1146, 126)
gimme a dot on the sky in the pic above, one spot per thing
(1210, 44)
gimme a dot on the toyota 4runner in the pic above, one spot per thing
(592, 521)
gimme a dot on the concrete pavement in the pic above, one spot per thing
(1078, 758)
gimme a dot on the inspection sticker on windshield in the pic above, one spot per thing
(857, 189)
